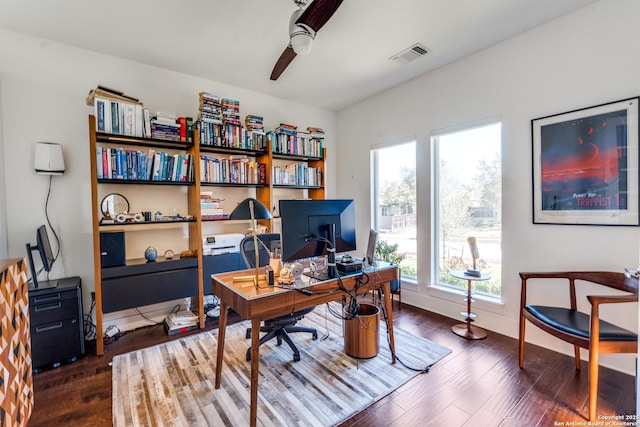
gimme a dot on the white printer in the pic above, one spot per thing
(225, 243)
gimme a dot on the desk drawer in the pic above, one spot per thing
(36, 298)
(54, 310)
(56, 341)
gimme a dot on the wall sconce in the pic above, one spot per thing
(48, 159)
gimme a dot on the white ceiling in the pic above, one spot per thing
(237, 42)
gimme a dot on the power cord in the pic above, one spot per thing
(393, 353)
(46, 214)
(153, 322)
(87, 322)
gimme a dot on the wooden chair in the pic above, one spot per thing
(580, 329)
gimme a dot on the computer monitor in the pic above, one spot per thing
(43, 246)
(313, 228)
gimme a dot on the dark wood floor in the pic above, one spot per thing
(479, 384)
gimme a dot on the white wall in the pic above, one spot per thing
(44, 85)
(589, 57)
(3, 208)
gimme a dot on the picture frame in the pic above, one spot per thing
(585, 166)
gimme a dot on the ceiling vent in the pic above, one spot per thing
(409, 54)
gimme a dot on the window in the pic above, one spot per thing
(394, 203)
(468, 202)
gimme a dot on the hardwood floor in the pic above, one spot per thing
(479, 384)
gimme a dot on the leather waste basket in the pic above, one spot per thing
(361, 334)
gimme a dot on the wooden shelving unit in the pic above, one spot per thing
(264, 193)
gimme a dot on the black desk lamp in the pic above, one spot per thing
(252, 209)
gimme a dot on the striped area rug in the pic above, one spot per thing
(172, 384)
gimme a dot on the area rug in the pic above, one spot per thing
(172, 384)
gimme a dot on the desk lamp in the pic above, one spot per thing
(251, 209)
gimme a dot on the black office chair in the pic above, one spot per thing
(282, 326)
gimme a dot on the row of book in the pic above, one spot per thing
(297, 174)
(232, 170)
(139, 165)
(300, 144)
(123, 118)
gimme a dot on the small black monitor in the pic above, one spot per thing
(43, 247)
(313, 228)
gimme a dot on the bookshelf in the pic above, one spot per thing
(114, 288)
(138, 283)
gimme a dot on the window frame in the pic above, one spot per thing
(434, 286)
(374, 151)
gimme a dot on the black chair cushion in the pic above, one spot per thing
(295, 315)
(578, 323)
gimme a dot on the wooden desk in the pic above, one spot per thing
(258, 304)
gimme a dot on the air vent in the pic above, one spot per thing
(411, 53)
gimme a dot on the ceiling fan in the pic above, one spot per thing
(303, 27)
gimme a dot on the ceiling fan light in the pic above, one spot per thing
(301, 42)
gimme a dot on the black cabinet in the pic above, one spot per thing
(142, 283)
(57, 332)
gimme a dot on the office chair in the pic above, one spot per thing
(282, 326)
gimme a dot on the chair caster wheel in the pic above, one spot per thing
(296, 357)
(248, 334)
(279, 341)
(315, 336)
(249, 355)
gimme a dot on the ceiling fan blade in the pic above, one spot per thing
(318, 13)
(283, 62)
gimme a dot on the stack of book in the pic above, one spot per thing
(316, 132)
(210, 207)
(254, 123)
(287, 128)
(180, 321)
(209, 121)
(231, 112)
(317, 141)
(255, 135)
(118, 113)
(234, 133)
(165, 126)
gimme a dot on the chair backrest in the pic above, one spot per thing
(270, 240)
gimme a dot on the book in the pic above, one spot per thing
(111, 94)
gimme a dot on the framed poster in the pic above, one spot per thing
(585, 166)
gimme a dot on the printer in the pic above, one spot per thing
(224, 243)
